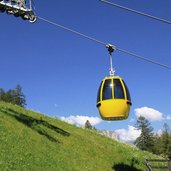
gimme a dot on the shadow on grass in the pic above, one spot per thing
(125, 167)
(36, 125)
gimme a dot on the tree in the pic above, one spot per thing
(145, 140)
(2, 92)
(166, 141)
(4, 96)
(13, 96)
(88, 125)
(168, 152)
(157, 144)
(10, 96)
(19, 97)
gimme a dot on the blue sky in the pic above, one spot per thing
(60, 72)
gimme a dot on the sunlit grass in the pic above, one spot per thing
(32, 141)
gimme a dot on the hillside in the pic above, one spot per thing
(32, 141)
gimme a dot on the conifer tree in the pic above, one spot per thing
(166, 141)
(2, 92)
(10, 95)
(157, 144)
(19, 97)
(168, 152)
(88, 125)
(145, 140)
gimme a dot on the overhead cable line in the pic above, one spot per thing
(143, 58)
(103, 43)
(137, 12)
(73, 31)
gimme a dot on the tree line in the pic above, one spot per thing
(159, 144)
(13, 96)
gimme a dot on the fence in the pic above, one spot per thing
(157, 165)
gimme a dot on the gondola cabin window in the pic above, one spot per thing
(99, 92)
(127, 92)
(118, 89)
(107, 90)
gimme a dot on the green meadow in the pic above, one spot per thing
(35, 142)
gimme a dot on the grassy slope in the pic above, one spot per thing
(31, 141)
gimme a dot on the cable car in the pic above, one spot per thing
(19, 8)
(113, 99)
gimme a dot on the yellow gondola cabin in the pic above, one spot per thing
(113, 99)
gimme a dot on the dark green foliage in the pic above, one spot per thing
(4, 96)
(157, 144)
(166, 141)
(1, 93)
(19, 97)
(168, 152)
(15, 96)
(145, 141)
(162, 143)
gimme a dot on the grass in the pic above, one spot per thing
(32, 141)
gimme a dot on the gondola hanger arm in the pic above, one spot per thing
(111, 48)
